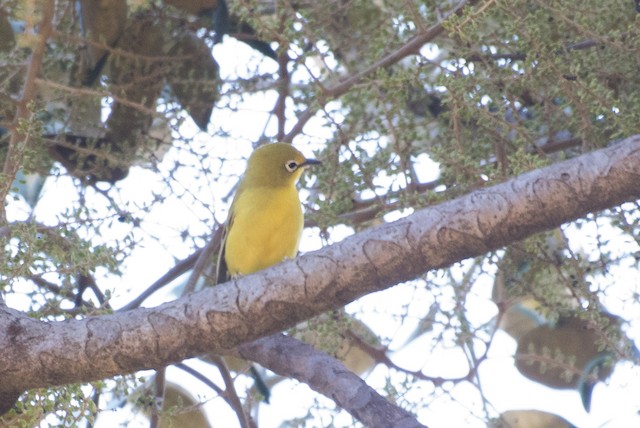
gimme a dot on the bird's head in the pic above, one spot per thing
(276, 164)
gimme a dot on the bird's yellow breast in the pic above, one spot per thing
(266, 227)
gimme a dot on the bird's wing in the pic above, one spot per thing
(222, 271)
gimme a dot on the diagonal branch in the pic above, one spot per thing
(411, 47)
(289, 357)
(38, 354)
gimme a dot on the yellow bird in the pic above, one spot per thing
(265, 221)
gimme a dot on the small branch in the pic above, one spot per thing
(54, 288)
(97, 93)
(117, 51)
(158, 398)
(202, 378)
(204, 260)
(283, 92)
(173, 273)
(290, 357)
(88, 281)
(230, 395)
(381, 357)
(197, 261)
(368, 209)
(19, 140)
(521, 56)
(412, 47)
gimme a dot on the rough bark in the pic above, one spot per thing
(290, 357)
(38, 354)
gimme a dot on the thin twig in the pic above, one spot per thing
(202, 378)
(368, 209)
(204, 260)
(412, 47)
(19, 139)
(230, 394)
(50, 286)
(173, 273)
(283, 93)
(97, 93)
(158, 395)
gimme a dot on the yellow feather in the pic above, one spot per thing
(266, 229)
(265, 222)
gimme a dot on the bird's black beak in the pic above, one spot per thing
(309, 162)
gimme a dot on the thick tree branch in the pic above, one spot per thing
(38, 354)
(289, 357)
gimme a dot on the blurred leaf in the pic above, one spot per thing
(193, 77)
(103, 23)
(531, 419)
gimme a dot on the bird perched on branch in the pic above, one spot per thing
(265, 221)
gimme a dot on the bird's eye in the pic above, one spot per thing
(291, 165)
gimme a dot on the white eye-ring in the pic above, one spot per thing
(291, 165)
